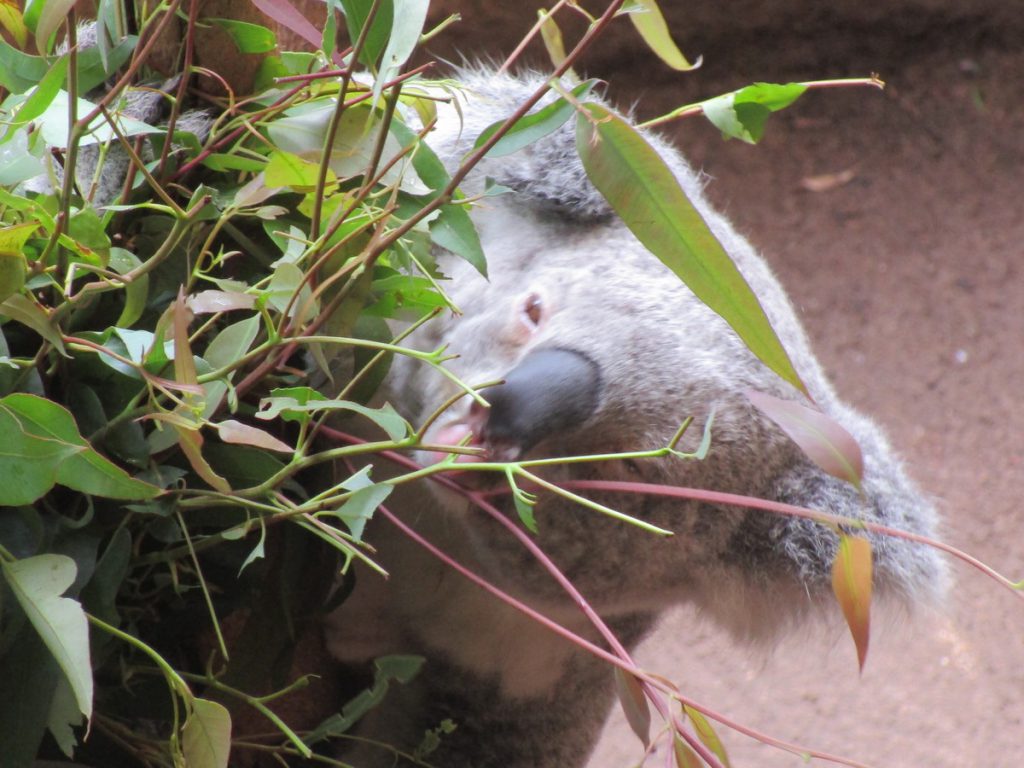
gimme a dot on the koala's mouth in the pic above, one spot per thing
(550, 393)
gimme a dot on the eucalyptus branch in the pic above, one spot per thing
(259, 703)
(624, 662)
(179, 229)
(697, 108)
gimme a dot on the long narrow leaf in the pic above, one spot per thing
(644, 192)
(851, 582)
(649, 22)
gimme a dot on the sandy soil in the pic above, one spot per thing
(909, 279)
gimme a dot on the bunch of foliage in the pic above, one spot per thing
(186, 298)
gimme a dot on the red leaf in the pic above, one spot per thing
(851, 582)
(289, 17)
(184, 365)
(634, 704)
(825, 442)
(191, 443)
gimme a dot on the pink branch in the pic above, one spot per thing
(652, 686)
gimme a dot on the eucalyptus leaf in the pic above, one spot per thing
(250, 38)
(206, 737)
(44, 425)
(647, 196)
(360, 506)
(290, 408)
(375, 40)
(38, 583)
(534, 126)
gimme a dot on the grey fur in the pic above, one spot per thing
(523, 697)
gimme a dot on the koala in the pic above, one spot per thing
(602, 350)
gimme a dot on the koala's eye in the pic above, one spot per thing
(533, 308)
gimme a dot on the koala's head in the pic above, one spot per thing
(601, 349)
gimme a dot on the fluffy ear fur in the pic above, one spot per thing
(604, 350)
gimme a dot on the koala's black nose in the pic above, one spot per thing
(550, 391)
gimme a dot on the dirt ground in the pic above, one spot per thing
(909, 279)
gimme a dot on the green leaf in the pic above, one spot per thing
(706, 733)
(53, 123)
(206, 737)
(222, 162)
(13, 267)
(551, 34)
(250, 38)
(41, 422)
(44, 93)
(387, 669)
(742, 114)
(454, 230)
(13, 239)
(17, 164)
(50, 16)
(12, 22)
(684, 755)
(100, 594)
(28, 313)
(28, 463)
(824, 441)
(356, 15)
(303, 130)
(240, 465)
(290, 408)
(524, 508)
(409, 16)
(645, 193)
(136, 292)
(30, 675)
(286, 281)
(20, 71)
(285, 169)
(38, 583)
(646, 17)
(63, 716)
(360, 506)
(228, 346)
(534, 126)
(93, 69)
(91, 473)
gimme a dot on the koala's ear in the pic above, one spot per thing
(909, 571)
